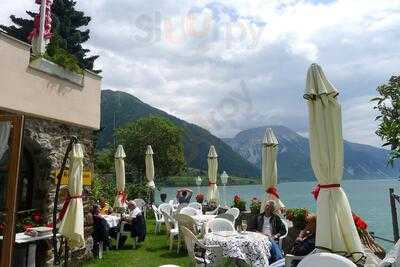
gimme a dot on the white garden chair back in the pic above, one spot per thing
(234, 211)
(191, 242)
(326, 260)
(190, 211)
(159, 219)
(281, 238)
(165, 207)
(196, 206)
(172, 229)
(219, 225)
(188, 222)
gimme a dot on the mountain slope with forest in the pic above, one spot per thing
(196, 140)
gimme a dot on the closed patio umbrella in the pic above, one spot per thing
(336, 230)
(213, 194)
(119, 162)
(72, 220)
(269, 171)
(150, 167)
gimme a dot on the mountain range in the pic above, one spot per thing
(196, 140)
(241, 155)
(360, 161)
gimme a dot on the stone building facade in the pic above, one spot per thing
(56, 104)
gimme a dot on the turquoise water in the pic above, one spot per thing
(370, 199)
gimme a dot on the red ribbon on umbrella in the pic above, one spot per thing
(65, 206)
(211, 183)
(318, 187)
(359, 222)
(273, 191)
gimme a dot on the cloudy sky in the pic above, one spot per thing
(232, 65)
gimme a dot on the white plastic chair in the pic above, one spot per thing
(165, 207)
(213, 212)
(189, 211)
(326, 260)
(284, 236)
(191, 242)
(196, 206)
(159, 219)
(188, 222)
(218, 225)
(122, 232)
(172, 229)
(234, 211)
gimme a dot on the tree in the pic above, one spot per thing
(388, 105)
(104, 161)
(66, 31)
(165, 139)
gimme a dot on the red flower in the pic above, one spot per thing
(236, 198)
(49, 225)
(28, 226)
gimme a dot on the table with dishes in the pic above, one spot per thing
(251, 247)
(112, 219)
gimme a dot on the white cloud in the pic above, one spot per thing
(231, 65)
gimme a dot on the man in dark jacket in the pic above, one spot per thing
(271, 225)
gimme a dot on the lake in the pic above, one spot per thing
(368, 198)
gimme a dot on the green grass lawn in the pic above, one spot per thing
(153, 253)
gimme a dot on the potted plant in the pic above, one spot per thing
(255, 206)
(200, 198)
(238, 203)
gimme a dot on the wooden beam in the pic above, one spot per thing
(16, 134)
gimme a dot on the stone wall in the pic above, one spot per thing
(47, 142)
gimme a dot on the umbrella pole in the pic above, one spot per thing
(56, 261)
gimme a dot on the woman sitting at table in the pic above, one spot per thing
(271, 225)
(136, 222)
(101, 230)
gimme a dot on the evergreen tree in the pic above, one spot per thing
(66, 30)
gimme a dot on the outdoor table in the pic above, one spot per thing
(112, 220)
(251, 247)
(29, 244)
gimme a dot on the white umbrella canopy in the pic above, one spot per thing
(119, 162)
(336, 230)
(150, 167)
(213, 194)
(269, 170)
(72, 223)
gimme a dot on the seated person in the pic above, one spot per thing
(184, 195)
(101, 230)
(271, 225)
(136, 222)
(305, 242)
(104, 206)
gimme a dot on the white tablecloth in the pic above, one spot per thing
(112, 220)
(253, 248)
